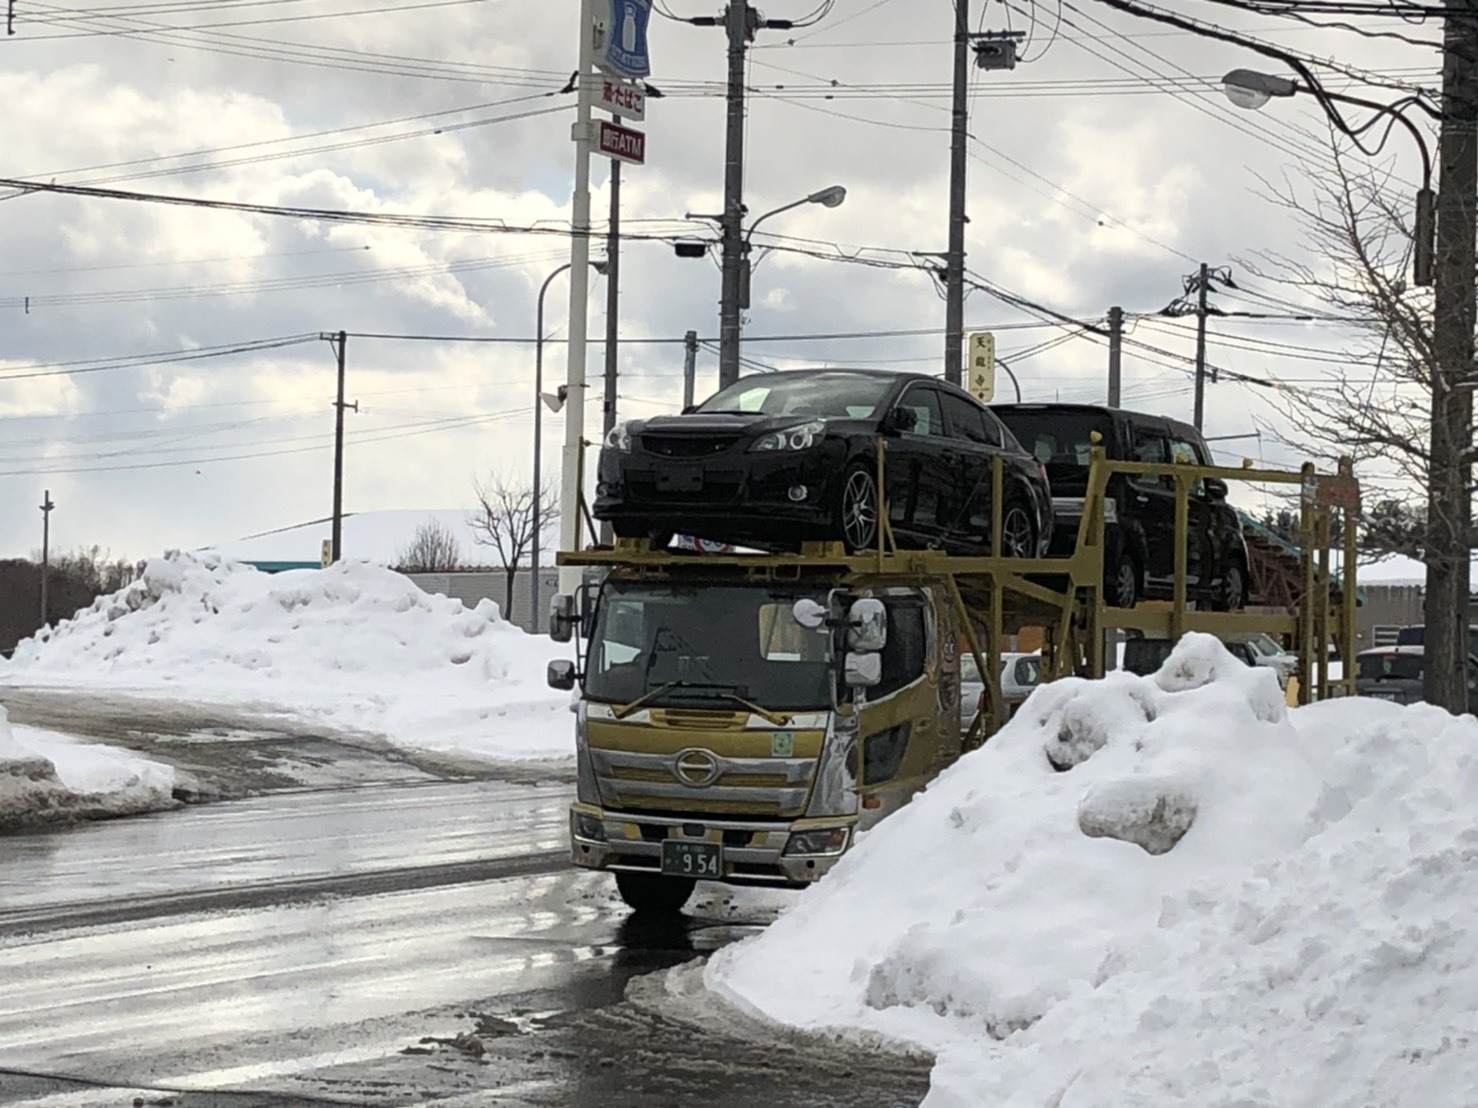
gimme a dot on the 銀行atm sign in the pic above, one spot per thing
(623, 143)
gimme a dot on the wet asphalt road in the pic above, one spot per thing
(402, 941)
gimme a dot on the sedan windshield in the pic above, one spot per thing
(829, 395)
(707, 646)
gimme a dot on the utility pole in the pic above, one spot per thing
(690, 367)
(613, 317)
(1449, 507)
(46, 509)
(740, 23)
(954, 265)
(340, 341)
(1116, 341)
(1201, 282)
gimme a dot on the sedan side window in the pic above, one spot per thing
(924, 403)
(966, 421)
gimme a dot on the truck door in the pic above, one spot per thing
(899, 722)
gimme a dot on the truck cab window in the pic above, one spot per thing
(907, 649)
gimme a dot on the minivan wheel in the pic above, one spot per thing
(1018, 534)
(859, 510)
(1123, 584)
(1232, 595)
(653, 894)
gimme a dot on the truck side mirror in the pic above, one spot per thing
(561, 675)
(867, 626)
(562, 618)
(863, 671)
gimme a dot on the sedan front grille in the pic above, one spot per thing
(676, 446)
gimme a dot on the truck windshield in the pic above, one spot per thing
(709, 643)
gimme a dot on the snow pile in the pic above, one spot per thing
(46, 778)
(1160, 891)
(354, 646)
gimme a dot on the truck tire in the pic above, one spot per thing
(654, 895)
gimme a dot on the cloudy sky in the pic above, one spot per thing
(162, 373)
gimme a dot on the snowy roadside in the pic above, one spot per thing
(48, 778)
(353, 648)
(1159, 891)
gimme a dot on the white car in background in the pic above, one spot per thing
(1020, 674)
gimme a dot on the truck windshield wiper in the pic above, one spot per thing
(624, 710)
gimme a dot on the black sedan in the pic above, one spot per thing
(777, 459)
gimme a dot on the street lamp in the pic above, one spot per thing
(537, 522)
(736, 274)
(830, 197)
(1247, 88)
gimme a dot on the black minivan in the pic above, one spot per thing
(1139, 553)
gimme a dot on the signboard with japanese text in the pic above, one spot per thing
(625, 52)
(980, 366)
(622, 143)
(622, 98)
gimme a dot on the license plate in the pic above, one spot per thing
(679, 478)
(692, 859)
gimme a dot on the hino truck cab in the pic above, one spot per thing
(745, 729)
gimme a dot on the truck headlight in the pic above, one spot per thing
(801, 437)
(589, 828)
(827, 841)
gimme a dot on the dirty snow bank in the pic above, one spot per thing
(1158, 891)
(46, 778)
(353, 647)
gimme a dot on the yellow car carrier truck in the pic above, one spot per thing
(742, 718)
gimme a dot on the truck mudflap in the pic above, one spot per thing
(791, 853)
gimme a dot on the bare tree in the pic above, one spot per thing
(434, 550)
(504, 520)
(1381, 409)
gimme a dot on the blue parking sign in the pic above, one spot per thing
(626, 39)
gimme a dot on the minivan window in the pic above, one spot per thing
(1057, 438)
(1150, 446)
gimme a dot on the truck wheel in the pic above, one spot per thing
(1232, 594)
(859, 510)
(653, 894)
(1122, 585)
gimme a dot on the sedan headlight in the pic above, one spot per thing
(620, 438)
(801, 437)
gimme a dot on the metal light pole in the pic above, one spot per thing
(538, 504)
(1247, 88)
(46, 509)
(736, 275)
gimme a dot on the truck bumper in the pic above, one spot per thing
(753, 851)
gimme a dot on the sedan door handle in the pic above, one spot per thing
(1142, 498)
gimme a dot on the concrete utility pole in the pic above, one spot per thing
(572, 459)
(340, 341)
(1449, 504)
(1201, 282)
(740, 22)
(954, 264)
(690, 367)
(613, 316)
(46, 509)
(1116, 341)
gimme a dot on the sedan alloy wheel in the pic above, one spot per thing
(859, 510)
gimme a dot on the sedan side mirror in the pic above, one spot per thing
(562, 618)
(561, 675)
(1216, 488)
(900, 420)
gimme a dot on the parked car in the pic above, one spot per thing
(777, 459)
(1020, 675)
(1397, 672)
(1146, 655)
(1416, 635)
(1139, 553)
(1391, 673)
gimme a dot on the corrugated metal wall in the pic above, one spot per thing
(473, 586)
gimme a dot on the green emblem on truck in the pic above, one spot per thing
(782, 744)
